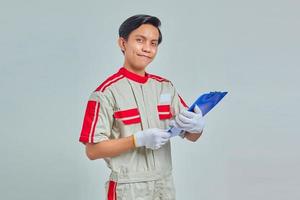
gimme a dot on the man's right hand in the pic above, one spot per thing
(151, 138)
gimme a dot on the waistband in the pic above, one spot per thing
(132, 177)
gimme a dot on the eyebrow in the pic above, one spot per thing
(145, 37)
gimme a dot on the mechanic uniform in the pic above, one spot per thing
(122, 105)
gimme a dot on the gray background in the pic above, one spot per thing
(55, 53)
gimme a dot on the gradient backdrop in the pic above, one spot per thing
(55, 53)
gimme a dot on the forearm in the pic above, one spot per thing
(109, 148)
(192, 136)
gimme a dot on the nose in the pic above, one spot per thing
(146, 48)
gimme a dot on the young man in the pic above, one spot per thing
(127, 117)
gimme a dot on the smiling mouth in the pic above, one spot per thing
(144, 56)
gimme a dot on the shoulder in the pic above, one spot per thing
(162, 80)
(103, 93)
(158, 78)
(109, 81)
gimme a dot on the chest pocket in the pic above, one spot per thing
(129, 116)
(164, 111)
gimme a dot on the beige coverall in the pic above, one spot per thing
(122, 105)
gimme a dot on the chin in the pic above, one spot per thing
(144, 64)
(141, 66)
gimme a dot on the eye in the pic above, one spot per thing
(139, 40)
(154, 44)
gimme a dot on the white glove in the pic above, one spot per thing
(192, 122)
(151, 138)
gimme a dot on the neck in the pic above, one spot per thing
(140, 72)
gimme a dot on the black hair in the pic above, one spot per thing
(136, 21)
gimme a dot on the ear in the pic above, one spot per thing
(121, 42)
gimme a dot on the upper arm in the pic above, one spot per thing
(98, 119)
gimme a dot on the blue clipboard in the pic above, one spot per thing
(206, 102)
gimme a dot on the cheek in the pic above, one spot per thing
(154, 51)
(134, 50)
(138, 47)
(131, 52)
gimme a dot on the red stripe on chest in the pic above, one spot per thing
(163, 108)
(126, 113)
(164, 112)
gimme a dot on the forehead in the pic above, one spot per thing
(146, 30)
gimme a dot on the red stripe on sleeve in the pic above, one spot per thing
(182, 102)
(88, 121)
(95, 122)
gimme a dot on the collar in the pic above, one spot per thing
(133, 76)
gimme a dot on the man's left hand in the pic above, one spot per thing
(192, 122)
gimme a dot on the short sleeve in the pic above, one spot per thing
(98, 119)
(178, 104)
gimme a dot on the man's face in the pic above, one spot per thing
(141, 47)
